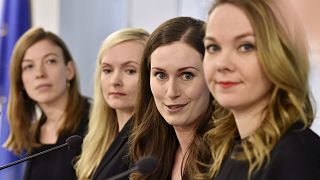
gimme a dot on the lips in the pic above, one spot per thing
(175, 107)
(227, 84)
(117, 94)
(43, 86)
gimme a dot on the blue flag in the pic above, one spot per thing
(15, 20)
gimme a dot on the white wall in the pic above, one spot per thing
(46, 13)
(84, 24)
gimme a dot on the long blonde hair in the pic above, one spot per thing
(103, 124)
(283, 54)
(21, 108)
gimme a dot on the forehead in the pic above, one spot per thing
(42, 48)
(228, 20)
(176, 55)
(123, 52)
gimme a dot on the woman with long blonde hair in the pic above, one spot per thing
(256, 67)
(105, 148)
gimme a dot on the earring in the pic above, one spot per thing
(68, 84)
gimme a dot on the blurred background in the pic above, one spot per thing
(85, 24)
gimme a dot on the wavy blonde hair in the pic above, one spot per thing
(283, 54)
(103, 123)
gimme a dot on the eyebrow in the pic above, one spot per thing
(180, 69)
(243, 35)
(123, 64)
(49, 54)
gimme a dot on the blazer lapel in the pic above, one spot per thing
(117, 143)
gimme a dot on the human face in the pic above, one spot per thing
(231, 65)
(119, 74)
(178, 85)
(44, 73)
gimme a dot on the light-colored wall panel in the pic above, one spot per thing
(46, 13)
(84, 25)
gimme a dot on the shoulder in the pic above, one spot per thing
(296, 155)
(297, 140)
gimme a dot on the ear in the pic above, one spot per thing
(70, 70)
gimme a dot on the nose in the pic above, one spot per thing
(173, 90)
(116, 79)
(40, 71)
(224, 62)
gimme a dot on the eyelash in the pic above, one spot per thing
(128, 71)
(157, 75)
(211, 48)
(248, 47)
(182, 75)
(27, 67)
(131, 71)
(187, 73)
(245, 46)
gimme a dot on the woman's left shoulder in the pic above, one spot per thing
(298, 144)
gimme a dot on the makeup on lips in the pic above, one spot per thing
(227, 84)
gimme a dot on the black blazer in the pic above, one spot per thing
(57, 164)
(116, 159)
(295, 157)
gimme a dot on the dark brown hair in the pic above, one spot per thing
(151, 135)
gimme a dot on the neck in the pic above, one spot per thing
(248, 120)
(123, 116)
(54, 111)
(185, 138)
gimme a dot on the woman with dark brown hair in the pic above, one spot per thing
(45, 106)
(174, 104)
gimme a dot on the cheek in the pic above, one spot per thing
(208, 68)
(104, 85)
(156, 89)
(199, 94)
(26, 82)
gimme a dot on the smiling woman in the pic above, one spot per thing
(174, 105)
(43, 77)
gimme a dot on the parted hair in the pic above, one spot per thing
(24, 127)
(103, 124)
(151, 134)
(283, 55)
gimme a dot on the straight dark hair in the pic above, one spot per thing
(151, 134)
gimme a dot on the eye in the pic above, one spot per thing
(51, 61)
(106, 70)
(212, 48)
(27, 67)
(160, 75)
(187, 76)
(247, 47)
(131, 71)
